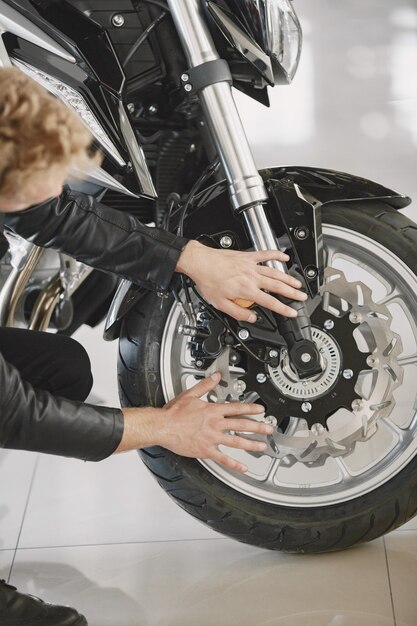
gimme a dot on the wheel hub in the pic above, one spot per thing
(285, 378)
(285, 395)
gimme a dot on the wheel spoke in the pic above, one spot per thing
(329, 253)
(390, 297)
(346, 474)
(272, 472)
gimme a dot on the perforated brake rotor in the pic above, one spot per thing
(310, 437)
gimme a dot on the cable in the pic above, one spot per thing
(143, 37)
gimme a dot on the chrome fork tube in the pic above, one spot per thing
(246, 187)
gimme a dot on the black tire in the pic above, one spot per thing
(298, 530)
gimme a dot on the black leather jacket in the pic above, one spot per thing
(108, 240)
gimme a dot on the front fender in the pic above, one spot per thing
(212, 206)
(296, 193)
(329, 186)
(297, 197)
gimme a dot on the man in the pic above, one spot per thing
(44, 378)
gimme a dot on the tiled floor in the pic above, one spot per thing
(104, 537)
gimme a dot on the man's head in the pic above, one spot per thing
(41, 140)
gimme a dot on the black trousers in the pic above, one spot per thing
(50, 362)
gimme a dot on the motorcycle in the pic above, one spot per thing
(152, 80)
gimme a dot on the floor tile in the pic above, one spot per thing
(16, 471)
(411, 525)
(103, 357)
(402, 563)
(210, 583)
(6, 559)
(117, 500)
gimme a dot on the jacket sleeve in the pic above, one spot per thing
(102, 237)
(36, 420)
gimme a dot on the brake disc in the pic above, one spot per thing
(342, 411)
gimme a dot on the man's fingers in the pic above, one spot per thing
(241, 443)
(239, 313)
(228, 462)
(271, 272)
(247, 426)
(240, 408)
(261, 256)
(276, 286)
(269, 302)
(203, 387)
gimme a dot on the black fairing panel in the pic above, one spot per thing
(85, 37)
(136, 19)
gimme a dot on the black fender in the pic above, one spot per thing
(212, 206)
(297, 196)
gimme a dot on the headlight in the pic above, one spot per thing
(283, 38)
(76, 102)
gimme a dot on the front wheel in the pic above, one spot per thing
(342, 466)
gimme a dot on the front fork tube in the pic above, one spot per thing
(296, 331)
(246, 187)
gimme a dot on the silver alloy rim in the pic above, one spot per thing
(373, 462)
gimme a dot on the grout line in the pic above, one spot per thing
(23, 517)
(119, 543)
(389, 582)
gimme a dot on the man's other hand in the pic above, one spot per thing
(196, 428)
(192, 427)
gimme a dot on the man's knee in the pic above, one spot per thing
(76, 377)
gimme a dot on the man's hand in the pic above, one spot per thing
(224, 276)
(194, 428)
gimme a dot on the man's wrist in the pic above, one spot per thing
(143, 427)
(188, 259)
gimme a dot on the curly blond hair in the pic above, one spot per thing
(39, 135)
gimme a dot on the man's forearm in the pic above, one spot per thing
(98, 235)
(36, 420)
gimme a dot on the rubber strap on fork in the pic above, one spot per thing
(206, 74)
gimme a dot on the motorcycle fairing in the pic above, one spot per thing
(297, 196)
